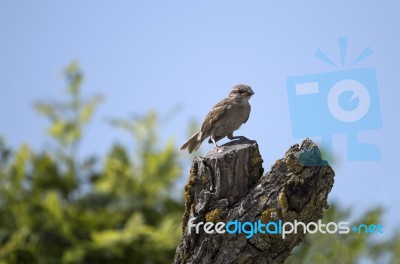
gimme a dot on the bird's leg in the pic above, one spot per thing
(212, 138)
(231, 137)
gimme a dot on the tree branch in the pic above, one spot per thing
(229, 186)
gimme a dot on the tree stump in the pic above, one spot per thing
(230, 185)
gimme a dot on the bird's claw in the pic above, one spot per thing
(219, 149)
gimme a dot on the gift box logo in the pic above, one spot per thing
(342, 101)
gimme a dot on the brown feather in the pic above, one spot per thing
(215, 114)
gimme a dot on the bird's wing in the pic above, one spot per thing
(215, 114)
(248, 115)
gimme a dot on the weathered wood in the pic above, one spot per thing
(229, 185)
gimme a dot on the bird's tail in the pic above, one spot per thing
(193, 143)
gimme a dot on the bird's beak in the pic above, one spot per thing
(251, 93)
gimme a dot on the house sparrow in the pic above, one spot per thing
(224, 118)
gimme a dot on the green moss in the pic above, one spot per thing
(182, 256)
(263, 199)
(292, 164)
(214, 216)
(282, 201)
(242, 259)
(278, 165)
(271, 214)
(256, 161)
(204, 179)
(189, 195)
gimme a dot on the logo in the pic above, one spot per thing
(341, 101)
(283, 229)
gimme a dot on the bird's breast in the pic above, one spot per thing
(234, 116)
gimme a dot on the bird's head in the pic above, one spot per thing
(241, 92)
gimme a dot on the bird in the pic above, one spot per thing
(223, 119)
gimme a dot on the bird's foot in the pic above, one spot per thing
(251, 140)
(219, 149)
(240, 138)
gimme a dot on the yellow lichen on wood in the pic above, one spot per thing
(189, 191)
(214, 216)
(282, 201)
(292, 163)
(271, 214)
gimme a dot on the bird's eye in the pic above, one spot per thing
(241, 91)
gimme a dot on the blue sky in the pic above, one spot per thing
(144, 55)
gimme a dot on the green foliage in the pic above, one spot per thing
(69, 118)
(51, 213)
(347, 248)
